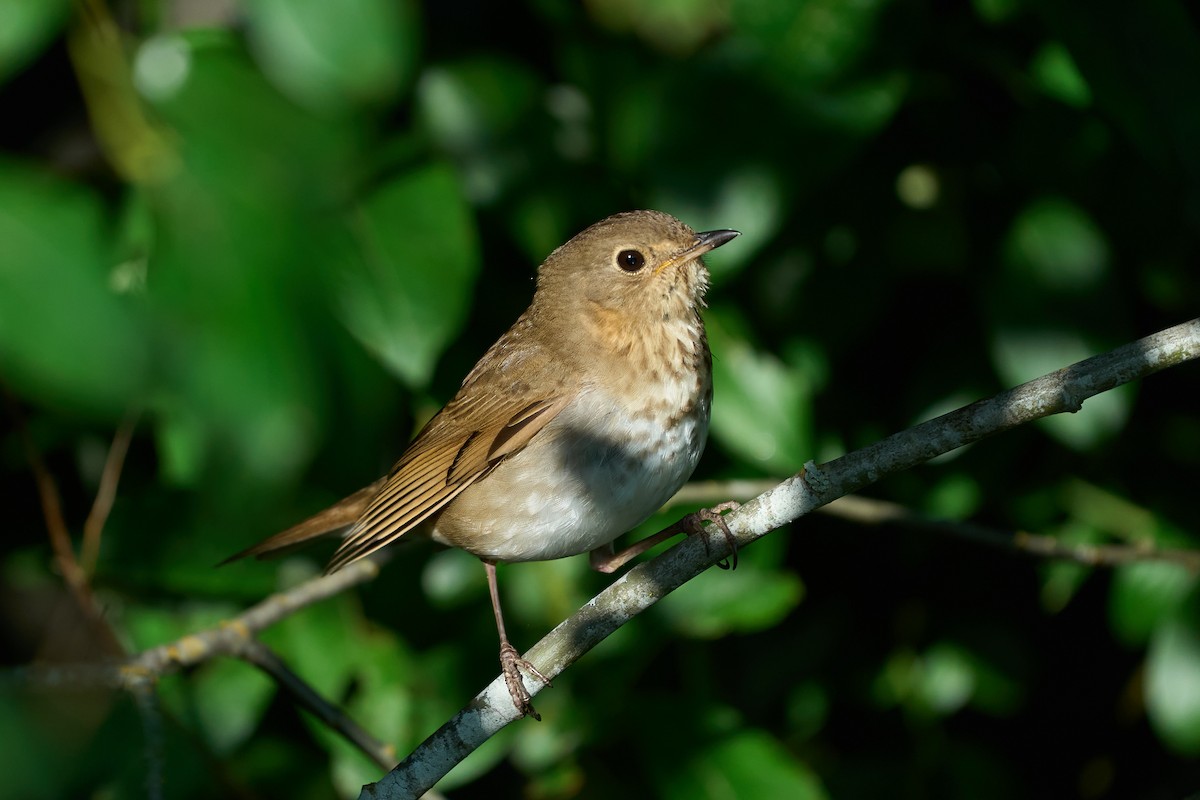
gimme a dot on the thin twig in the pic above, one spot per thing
(106, 493)
(645, 584)
(60, 538)
(226, 639)
(878, 512)
(263, 657)
(230, 636)
(235, 637)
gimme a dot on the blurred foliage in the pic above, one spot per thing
(283, 232)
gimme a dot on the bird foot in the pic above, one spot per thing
(511, 664)
(696, 521)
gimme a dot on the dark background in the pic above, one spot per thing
(281, 233)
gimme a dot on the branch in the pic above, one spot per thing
(877, 512)
(230, 638)
(236, 637)
(106, 493)
(815, 486)
(73, 574)
(871, 511)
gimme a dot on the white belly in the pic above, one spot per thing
(591, 475)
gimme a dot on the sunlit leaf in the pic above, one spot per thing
(761, 406)
(748, 200)
(55, 299)
(330, 56)
(468, 105)
(1057, 246)
(1047, 300)
(943, 680)
(1173, 682)
(418, 255)
(386, 686)
(231, 698)
(755, 596)
(27, 27)
(1024, 354)
(322, 644)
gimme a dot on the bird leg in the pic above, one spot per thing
(511, 661)
(605, 560)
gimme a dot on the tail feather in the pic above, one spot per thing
(341, 514)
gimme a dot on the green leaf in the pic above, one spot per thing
(996, 11)
(1053, 291)
(812, 42)
(1145, 595)
(231, 697)
(1023, 354)
(467, 106)
(383, 704)
(240, 244)
(321, 644)
(335, 55)
(408, 291)
(153, 625)
(1062, 579)
(1055, 245)
(1056, 74)
(677, 27)
(28, 25)
(755, 596)
(66, 337)
(954, 496)
(944, 679)
(744, 765)
(761, 406)
(1173, 682)
(748, 199)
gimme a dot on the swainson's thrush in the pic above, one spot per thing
(574, 427)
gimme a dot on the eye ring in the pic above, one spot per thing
(630, 260)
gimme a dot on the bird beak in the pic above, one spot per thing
(709, 240)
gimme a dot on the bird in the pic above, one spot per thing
(581, 421)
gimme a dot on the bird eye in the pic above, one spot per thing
(630, 260)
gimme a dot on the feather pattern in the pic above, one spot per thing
(463, 443)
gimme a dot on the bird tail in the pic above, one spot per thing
(341, 514)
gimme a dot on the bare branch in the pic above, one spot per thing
(647, 583)
(263, 657)
(60, 537)
(878, 512)
(106, 494)
(235, 637)
(231, 636)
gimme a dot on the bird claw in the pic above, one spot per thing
(511, 664)
(695, 522)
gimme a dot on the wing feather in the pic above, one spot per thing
(467, 440)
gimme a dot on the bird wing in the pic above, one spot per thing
(339, 515)
(465, 441)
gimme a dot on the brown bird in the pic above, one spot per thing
(574, 427)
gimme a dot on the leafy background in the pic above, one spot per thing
(282, 230)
